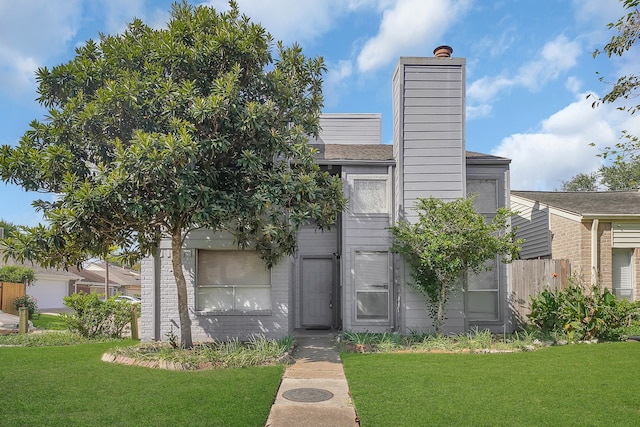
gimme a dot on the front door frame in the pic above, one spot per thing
(335, 295)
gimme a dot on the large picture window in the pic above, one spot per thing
(372, 286)
(232, 281)
(369, 194)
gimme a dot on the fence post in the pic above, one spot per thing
(23, 312)
(134, 321)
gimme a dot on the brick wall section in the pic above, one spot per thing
(146, 292)
(572, 240)
(209, 326)
(605, 255)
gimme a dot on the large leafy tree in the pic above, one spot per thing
(619, 176)
(448, 241)
(9, 228)
(155, 133)
(581, 182)
(623, 170)
(624, 155)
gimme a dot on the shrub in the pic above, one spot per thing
(17, 274)
(581, 314)
(94, 317)
(27, 301)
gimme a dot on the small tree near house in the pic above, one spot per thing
(449, 240)
(154, 133)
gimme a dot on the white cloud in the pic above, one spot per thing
(542, 160)
(334, 81)
(30, 32)
(556, 57)
(118, 13)
(573, 84)
(478, 111)
(486, 88)
(407, 25)
(295, 20)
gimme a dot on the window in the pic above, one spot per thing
(372, 285)
(482, 294)
(232, 281)
(486, 201)
(369, 194)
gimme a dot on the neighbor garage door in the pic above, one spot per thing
(49, 293)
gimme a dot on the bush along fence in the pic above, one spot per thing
(530, 277)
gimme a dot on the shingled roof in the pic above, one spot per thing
(377, 153)
(588, 204)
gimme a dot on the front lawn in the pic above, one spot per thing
(574, 385)
(71, 386)
(49, 322)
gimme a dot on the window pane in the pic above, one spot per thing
(215, 299)
(372, 305)
(482, 305)
(372, 270)
(484, 279)
(231, 268)
(369, 196)
(248, 299)
(486, 189)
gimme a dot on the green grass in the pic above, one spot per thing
(575, 385)
(48, 321)
(71, 386)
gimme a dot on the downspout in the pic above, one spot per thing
(594, 251)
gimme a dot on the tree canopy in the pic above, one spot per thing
(622, 172)
(450, 240)
(156, 132)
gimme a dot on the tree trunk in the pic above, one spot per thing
(441, 309)
(106, 278)
(181, 284)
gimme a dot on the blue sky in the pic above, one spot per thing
(529, 68)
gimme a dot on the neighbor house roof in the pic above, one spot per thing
(95, 274)
(40, 271)
(588, 204)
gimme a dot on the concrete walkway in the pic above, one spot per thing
(314, 390)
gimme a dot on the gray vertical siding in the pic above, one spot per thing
(349, 129)
(362, 233)
(432, 119)
(532, 222)
(429, 134)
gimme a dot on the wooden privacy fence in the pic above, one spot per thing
(529, 277)
(9, 292)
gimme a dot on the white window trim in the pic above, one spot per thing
(374, 177)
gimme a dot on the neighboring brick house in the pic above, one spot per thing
(347, 278)
(599, 232)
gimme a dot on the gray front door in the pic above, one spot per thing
(317, 290)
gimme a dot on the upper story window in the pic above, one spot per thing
(369, 194)
(486, 201)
